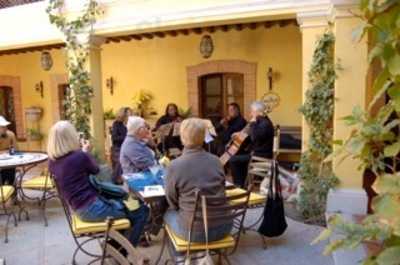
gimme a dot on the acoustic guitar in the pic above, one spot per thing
(234, 144)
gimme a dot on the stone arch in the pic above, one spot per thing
(248, 69)
(14, 82)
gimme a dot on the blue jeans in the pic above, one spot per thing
(100, 209)
(214, 233)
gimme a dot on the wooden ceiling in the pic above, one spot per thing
(10, 3)
(168, 33)
(202, 30)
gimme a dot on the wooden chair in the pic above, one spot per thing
(233, 208)
(85, 232)
(41, 183)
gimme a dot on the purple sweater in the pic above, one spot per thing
(72, 175)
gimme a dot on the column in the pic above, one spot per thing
(312, 25)
(350, 87)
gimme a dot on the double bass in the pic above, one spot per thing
(234, 144)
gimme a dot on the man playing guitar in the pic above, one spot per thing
(261, 134)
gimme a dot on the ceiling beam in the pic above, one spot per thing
(159, 34)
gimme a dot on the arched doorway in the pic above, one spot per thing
(7, 106)
(10, 103)
(239, 72)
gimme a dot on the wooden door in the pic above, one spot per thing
(217, 91)
(7, 106)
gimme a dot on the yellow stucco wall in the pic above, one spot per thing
(27, 67)
(159, 65)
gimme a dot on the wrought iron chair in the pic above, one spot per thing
(9, 199)
(42, 183)
(85, 232)
(233, 207)
(115, 244)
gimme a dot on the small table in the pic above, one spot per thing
(24, 161)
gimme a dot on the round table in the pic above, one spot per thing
(23, 161)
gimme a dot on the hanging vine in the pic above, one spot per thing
(80, 93)
(317, 177)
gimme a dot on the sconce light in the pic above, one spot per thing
(39, 88)
(110, 84)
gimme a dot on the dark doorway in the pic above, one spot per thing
(62, 100)
(7, 106)
(218, 90)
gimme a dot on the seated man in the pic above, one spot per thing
(136, 155)
(233, 123)
(7, 142)
(261, 134)
(195, 169)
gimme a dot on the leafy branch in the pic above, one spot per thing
(78, 99)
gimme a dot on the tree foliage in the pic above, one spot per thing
(317, 177)
(375, 140)
(78, 99)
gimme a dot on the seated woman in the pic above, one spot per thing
(136, 154)
(195, 169)
(118, 134)
(71, 167)
(171, 115)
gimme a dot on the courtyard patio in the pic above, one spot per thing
(34, 244)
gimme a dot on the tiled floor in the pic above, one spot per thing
(33, 244)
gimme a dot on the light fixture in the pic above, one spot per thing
(46, 61)
(39, 88)
(110, 84)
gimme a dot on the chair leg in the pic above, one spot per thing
(226, 259)
(264, 242)
(162, 248)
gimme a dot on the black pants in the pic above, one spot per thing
(7, 176)
(239, 166)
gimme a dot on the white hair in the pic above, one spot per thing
(258, 106)
(63, 139)
(134, 124)
(193, 132)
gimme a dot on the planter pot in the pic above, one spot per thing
(33, 114)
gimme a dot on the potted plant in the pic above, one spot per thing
(142, 104)
(34, 134)
(33, 114)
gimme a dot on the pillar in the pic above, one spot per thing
(97, 115)
(350, 87)
(312, 25)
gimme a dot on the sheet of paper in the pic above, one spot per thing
(208, 139)
(153, 190)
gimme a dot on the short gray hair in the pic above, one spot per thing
(134, 124)
(193, 131)
(258, 106)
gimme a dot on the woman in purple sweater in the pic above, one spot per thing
(71, 167)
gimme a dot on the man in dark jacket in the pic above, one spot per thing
(230, 125)
(261, 134)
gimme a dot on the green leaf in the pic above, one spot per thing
(394, 65)
(386, 206)
(392, 150)
(388, 183)
(324, 235)
(389, 256)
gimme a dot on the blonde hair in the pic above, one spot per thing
(193, 131)
(122, 114)
(63, 138)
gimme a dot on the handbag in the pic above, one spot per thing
(107, 190)
(274, 222)
(207, 259)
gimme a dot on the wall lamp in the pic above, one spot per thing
(39, 88)
(272, 76)
(110, 82)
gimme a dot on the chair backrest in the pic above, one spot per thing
(219, 210)
(258, 169)
(66, 208)
(120, 245)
